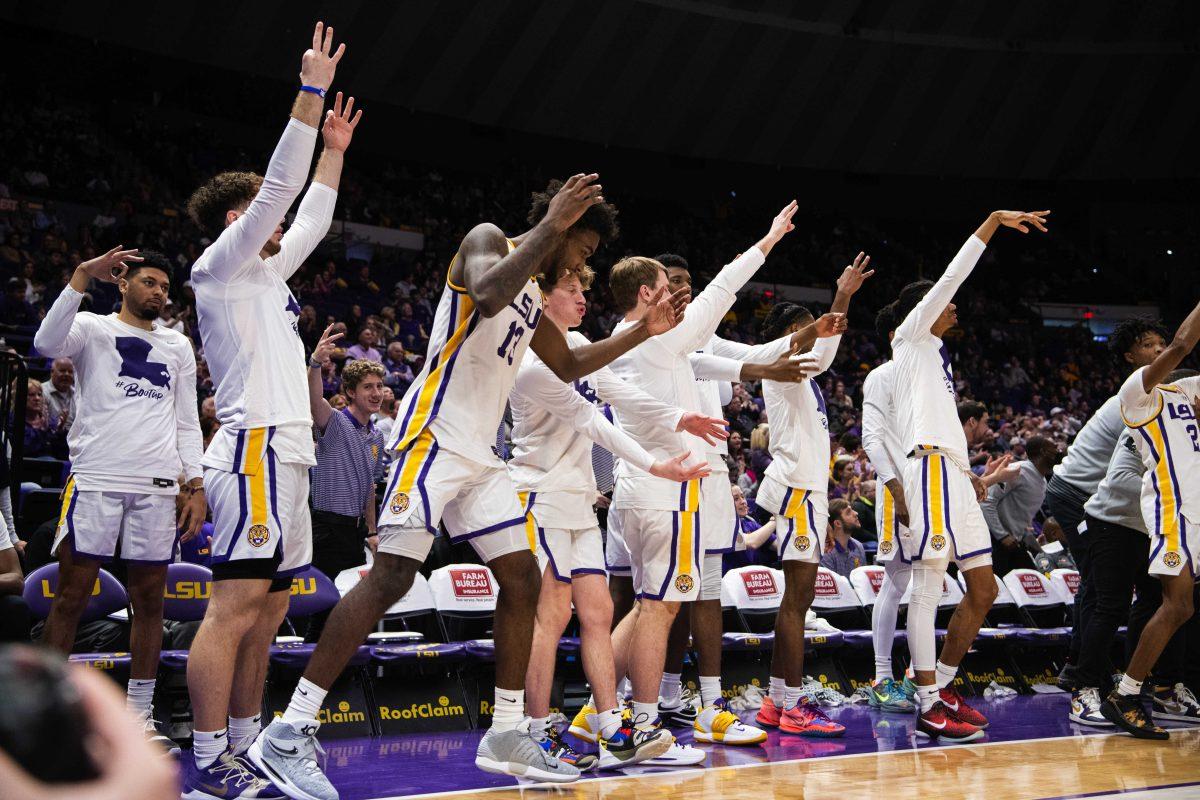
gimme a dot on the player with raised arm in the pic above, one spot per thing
(943, 495)
(136, 429)
(446, 469)
(794, 490)
(554, 426)
(256, 467)
(1160, 408)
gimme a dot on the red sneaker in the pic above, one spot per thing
(768, 715)
(958, 708)
(938, 723)
(806, 719)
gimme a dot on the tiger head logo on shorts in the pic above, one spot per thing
(399, 503)
(258, 535)
(937, 541)
(885, 547)
(684, 583)
(1171, 559)
(802, 543)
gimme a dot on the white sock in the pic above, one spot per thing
(591, 701)
(945, 675)
(510, 709)
(607, 722)
(242, 731)
(644, 715)
(1128, 687)
(791, 696)
(207, 746)
(778, 691)
(883, 668)
(710, 690)
(671, 688)
(927, 695)
(306, 701)
(139, 695)
(539, 726)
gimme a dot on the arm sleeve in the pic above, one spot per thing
(918, 322)
(542, 387)
(1138, 406)
(752, 353)
(715, 368)
(991, 509)
(825, 350)
(709, 307)
(725, 391)
(308, 229)
(239, 243)
(187, 418)
(629, 399)
(873, 420)
(63, 331)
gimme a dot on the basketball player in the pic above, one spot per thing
(716, 365)
(794, 490)
(1162, 414)
(446, 470)
(880, 439)
(658, 519)
(136, 428)
(256, 467)
(945, 522)
(554, 425)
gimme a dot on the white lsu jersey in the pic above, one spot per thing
(1167, 433)
(800, 426)
(470, 368)
(881, 423)
(248, 316)
(136, 423)
(928, 409)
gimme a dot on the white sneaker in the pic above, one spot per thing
(678, 755)
(1085, 708)
(718, 725)
(1177, 704)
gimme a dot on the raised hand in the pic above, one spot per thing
(1022, 219)
(326, 347)
(675, 470)
(710, 429)
(318, 66)
(791, 369)
(780, 227)
(665, 311)
(576, 196)
(339, 124)
(110, 266)
(830, 325)
(854, 275)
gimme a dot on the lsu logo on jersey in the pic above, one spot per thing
(802, 543)
(136, 365)
(885, 547)
(399, 503)
(937, 541)
(1171, 559)
(684, 583)
(258, 535)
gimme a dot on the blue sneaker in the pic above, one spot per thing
(553, 744)
(890, 698)
(227, 777)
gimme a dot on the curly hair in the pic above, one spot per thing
(910, 295)
(672, 261)
(780, 317)
(355, 372)
(885, 321)
(601, 218)
(150, 259)
(230, 190)
(1129, 332)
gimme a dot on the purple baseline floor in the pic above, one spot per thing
(368, 768)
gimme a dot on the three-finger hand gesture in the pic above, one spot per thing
(1021, 220)
(854, 275)
(110, 266)
(339, 124)
(317, 65)
(782, 224)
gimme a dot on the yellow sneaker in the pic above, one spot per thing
(718, 725)
(582, 725)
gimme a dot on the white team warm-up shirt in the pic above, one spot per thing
(660, 367)
(1167, 432)
(136, 422)
(926, 407)
(554, 426)
(800, 426)
(881, 423)
(248, 316)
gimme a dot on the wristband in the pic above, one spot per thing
(314, 364)
(317, 90)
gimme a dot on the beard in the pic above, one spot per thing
(271, 248)
(142, 312)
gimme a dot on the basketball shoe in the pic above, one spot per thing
(958, 708)
(224, 779)
(1128, 714)
(807, 719)
(938, 723)
(769, 713)
(718, 725)
(889, 697)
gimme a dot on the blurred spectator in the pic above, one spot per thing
(395, 364)
(365, 349)
(843, 552)
(60, 399)
(14, 308)
(864, 506)
(43, 437)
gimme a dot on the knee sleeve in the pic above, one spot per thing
(922, 610)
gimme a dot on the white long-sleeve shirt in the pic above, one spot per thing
(926, 406)
(800, 426)
(880, 425)
(136, 426)
(718, 365)
(554, 426)
(248, 316)
(660, 367)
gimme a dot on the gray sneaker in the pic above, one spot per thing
(287, 753)
(516, 753)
